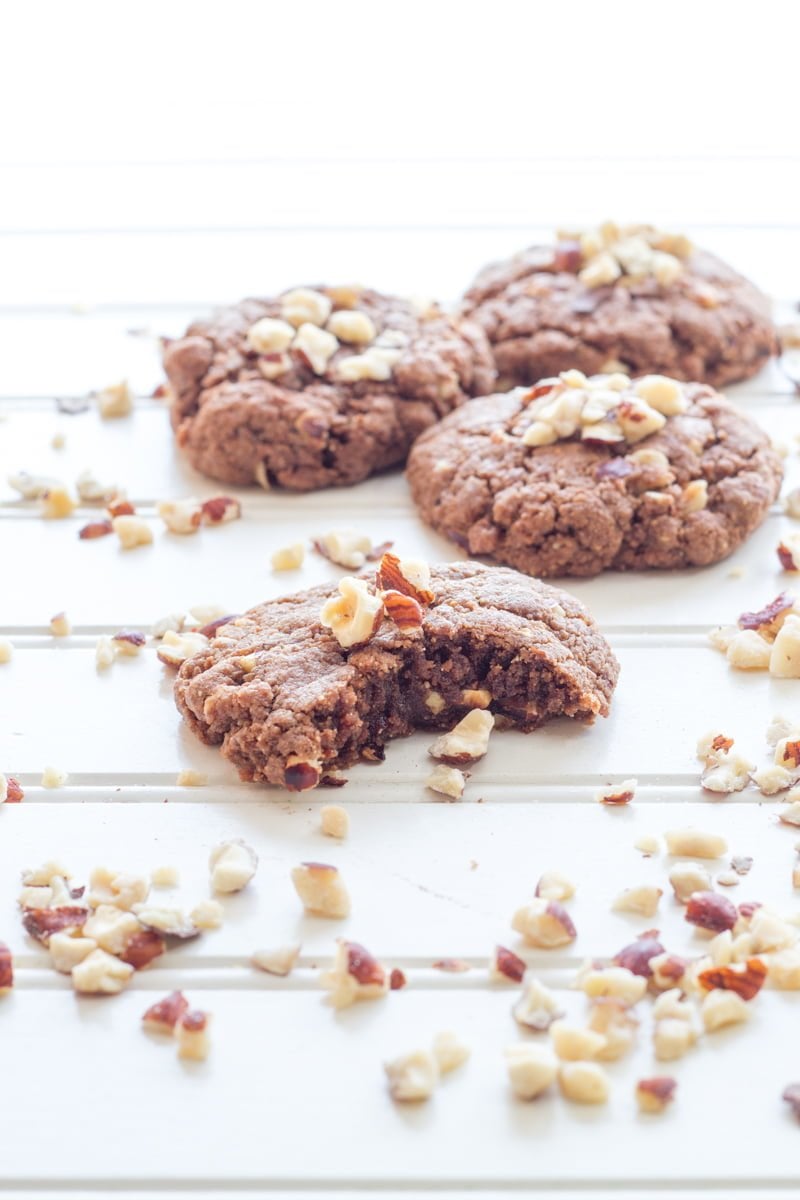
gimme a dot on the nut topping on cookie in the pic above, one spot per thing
(302, 305)
(411, 576)
(315, 346)
(270, 336)
(354, 615)
(630, 253)
(352, 326)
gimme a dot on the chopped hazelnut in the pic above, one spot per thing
(583, 1082)
(722, 1008)
(207, 914)
(772, 780)
(355, 975)
(101, 974)
(53, 777)
(672, 1037)
(687, 878)
(165, 877)
(57, 503)
(6, 650)
(288, 558)
(163, 1016)
(172, 922)
(653, 1095)
(321, 890)
(354, 615)
(506, 966)
(642, 900)
(232, 865)
(375, 363)
(784, 659)
(648, 844)
(544, 923)
(412, 1077)
(710, 910)
(783, 969)
(537, 1007)
(112, 928)
(132, 532)
(191, 1030)
(278, 961)
(449, 1052)
(270, 336)
(663, 394)
(748, 651)
(104, 653)
(181, 516)
(448, 781)
(344, 547)
(729, 773)
(191, 778)
(117, 888)
(175, 647)
(695, 843)
(617, 794)
(60, 626)
(553, 885)
(614, 1021)
(531, 1069)
(467, 741)
(315, 346)
(352, 326)
(617, 983)
(334, 821)
(67, 950)
(768, 931)
(32, 487)
(574, 1044)
(301, 305)
(116, 400)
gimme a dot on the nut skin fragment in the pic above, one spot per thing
(545, 924)
(583, 1082)
(95, 529)
(41, 923)
(506, 966)
(163, 1016)
(279, 961)
(655, 1094)
(531, 1069)
(745, 980)
(321, 890)
(232, 865)
(412, 1077)
(709, 910)
(636, 956)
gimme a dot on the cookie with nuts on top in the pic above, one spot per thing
(319, 386)
(308, 683)
(632, 299)
(577, 475)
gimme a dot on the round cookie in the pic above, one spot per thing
(634, 299)
(578, 475)
(287, 701)
(318, 387)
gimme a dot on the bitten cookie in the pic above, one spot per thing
(577, 475)
(631, 299)
(318, 387)
(314, 681)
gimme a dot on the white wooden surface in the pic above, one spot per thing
(182, 161)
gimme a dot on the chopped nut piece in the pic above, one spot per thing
(722, 1008)
(746, 979)
(169, 921)
(279, 961)
(748, 651)
(344, 547)
(305, 304)
(449, 781)
(104, 653)
(506, 966)
(354, 615)
(101, 974)
(53, 777)
(449, 1052)
(300, 776)
(112, 928)
(667, 970)
(537, 1007)
(44, 875)
(768, 931)
(191, 778)
(467, 741)
(119, 506)
(181, 516)
(397, 979)
(653, 1095)
(672, 1037)
(375, 363)
(165, 877)
(219, 510)
(175, 647)
(648, 844)
(232, 865)
(709, 910)
(289, 558)
(91, 491)
(583, 1082)
(531, 1069)
(636, 956)
(334, 821)
(791, 814)
(352, 326)
(642, 900)
(57, 503)
(95, 529)
(207, 914)
(789, 553)
(613, 1020)
(695, 496)
(117, 888)
(128, 642)
(783, 969)
(321, 890)
(544, 923)
(772, 780)
(191, 1030)
(10, 790)
(67, 950)
(712, 747)
(663, 394)
(784, 659)
(729, 773)
(671, 1004)
(270, 336)
(617, 983)
(315, 346)
(142, 948)
(132, 532)
(693, 843)
(412, 1077)
(411, 576)
(6, 969)
(163, 1016)
(60, 626)
(403, 610)
(619, 794)
(687, 878)
(32, 487)
(116, 400)
(728, 879)
(573, 1044)
(6, 650)
(555, 886)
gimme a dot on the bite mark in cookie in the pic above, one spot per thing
(319, 386)
(636, 297)
(312, 703)
(558, 479)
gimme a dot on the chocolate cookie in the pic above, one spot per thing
(288, 698)
(578, 475)
(318, 387)
(634, 299)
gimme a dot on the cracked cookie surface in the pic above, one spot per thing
(577, 508)
(277, 692)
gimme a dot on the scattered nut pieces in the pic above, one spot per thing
(288, 558)
(321, 890)
(654, 1095)
(618, 794)
(132, 532)
(232, 865)
(531, 1069)
(710, 910)
(467, 741)
(279, 961)
(101, 973)
(114, 401)
(449, 781)
(117, 888)
(637, 955)
(191, 1030)
(354, 615)
(746, 979)
(334, 821)
(583, 1082)
(642, 900)
(95, 529)
(544, 923)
